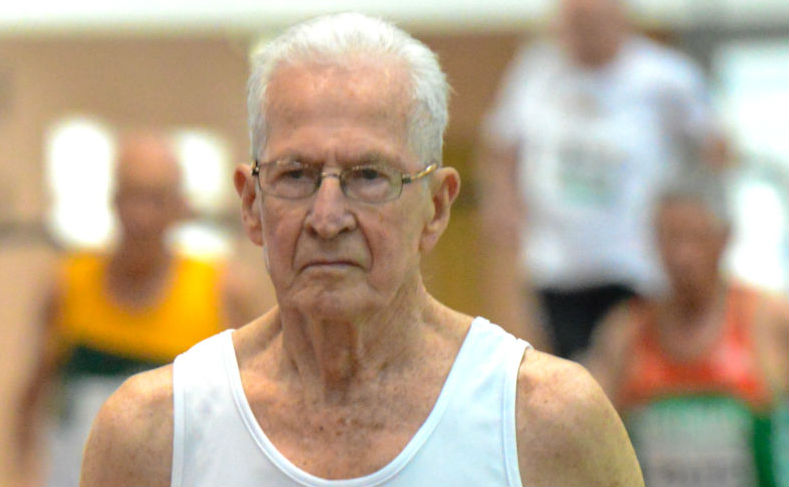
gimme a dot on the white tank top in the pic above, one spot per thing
(467, 439)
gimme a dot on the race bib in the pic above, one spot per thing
(695, 441)
(589, 171)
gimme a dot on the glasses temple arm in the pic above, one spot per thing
(408, 178)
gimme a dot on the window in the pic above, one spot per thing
(78, 153)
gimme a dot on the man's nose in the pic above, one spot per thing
(329, 216)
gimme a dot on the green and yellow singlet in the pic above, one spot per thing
(102, 337)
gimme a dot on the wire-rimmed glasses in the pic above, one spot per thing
(370, 183)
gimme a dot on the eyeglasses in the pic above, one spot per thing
(369, 183)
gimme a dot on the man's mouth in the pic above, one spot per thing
(331, 263)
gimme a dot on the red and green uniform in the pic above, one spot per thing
(708, 421)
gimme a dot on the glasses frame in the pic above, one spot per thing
(405, 178)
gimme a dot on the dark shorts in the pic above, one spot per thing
(571, 316)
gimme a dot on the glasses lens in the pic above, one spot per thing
(372, 184)
(290, 179)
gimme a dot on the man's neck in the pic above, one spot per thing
(136, 273)
(604, 56)
(691, 322)
(333, 355)
(139, 260)
(698, 300)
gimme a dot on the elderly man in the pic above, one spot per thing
(700, 373)
(109, 315)
(358, 376)
(585, 127)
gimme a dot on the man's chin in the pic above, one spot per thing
(335, 302)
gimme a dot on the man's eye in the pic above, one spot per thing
(294, 174)
(369, 173)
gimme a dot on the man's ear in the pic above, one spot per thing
(444, 188)
(250, 212)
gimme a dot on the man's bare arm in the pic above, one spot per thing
(49, 352)
(568, 431)
(131, 439)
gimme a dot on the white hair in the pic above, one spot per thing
(703, 186)
(336, 39)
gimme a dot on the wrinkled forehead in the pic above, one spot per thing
(374, 91)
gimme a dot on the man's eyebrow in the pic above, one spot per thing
(294, 156)
(349, 159)
(377, 157)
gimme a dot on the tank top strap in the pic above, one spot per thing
(482, 390)
(512, 363)
(199, 381)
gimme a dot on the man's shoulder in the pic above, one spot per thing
(556, 388)
(776, 304)
(145, 392)
(651, 60)
(71, 273)
(81, 261)
(568, 431)
(649, 50)
(131, 439)
(768, 309)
